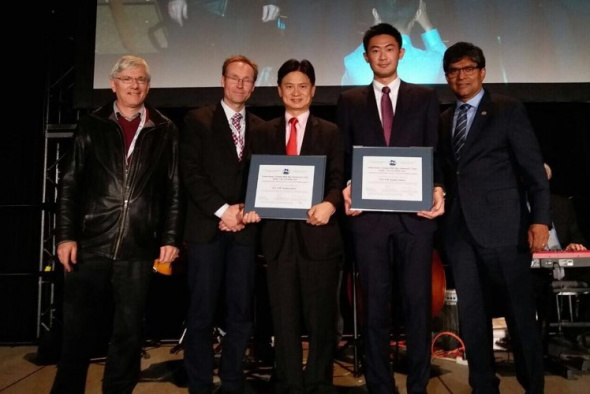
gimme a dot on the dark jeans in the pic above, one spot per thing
(95, 288)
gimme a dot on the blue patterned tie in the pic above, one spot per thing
(460, 130)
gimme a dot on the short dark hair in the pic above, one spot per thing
(242, 59)
(291, 65)
(381, 28)
(460, 50)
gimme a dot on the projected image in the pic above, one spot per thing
(185, 41)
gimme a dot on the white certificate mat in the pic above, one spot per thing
(392, 179)
(285, 187)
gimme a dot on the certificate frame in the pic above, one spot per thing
(368, 161)
(310, 190)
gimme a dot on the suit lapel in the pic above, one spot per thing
(277, 137)
(402, 108)
(477, 126)
(225, 132)
(375, 125)
(310, 136)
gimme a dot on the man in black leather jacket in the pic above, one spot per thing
(118, 210)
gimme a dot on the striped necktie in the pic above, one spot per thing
(460, 130)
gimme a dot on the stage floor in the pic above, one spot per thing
(162, 372)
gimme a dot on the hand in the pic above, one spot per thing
(422, 17)
(538, 236)
(438, 204)
(348, 202)
(319, 214)
(178, 10)
(168, 253)
(231, 220)
(251, 217)
(67, 253)
(270, 12)
(575, 247)
(376, 17)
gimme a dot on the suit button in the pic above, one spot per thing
(458, 172)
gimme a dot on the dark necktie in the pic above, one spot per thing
(292, 143)
(386, 114)
(460, 130)
(236, 121)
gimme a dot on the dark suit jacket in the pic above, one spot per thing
(500, 167)
(211, 171)
(321, 138)
(415, 123)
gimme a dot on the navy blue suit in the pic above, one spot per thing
(485, 234)
(386, 243)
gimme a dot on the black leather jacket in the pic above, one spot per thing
(117, 209)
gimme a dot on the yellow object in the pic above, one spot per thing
(163, 267)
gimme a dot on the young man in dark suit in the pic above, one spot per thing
(492, 165)
(214, 171)
(303, 256)
(391, 242)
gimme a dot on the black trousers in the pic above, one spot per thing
(483, 276)
(390, 252)
(97, 289)
(222, 265)
(303, 298)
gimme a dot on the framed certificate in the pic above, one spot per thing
(392, 179)
(285, 187)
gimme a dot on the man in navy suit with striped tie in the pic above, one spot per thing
(492, 165)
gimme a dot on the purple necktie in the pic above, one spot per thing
(386, 114)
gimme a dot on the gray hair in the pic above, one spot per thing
(129, 61)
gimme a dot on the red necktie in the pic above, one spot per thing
(292, 144)
(386, 114)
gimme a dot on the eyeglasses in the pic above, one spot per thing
(236, 80)
(468, 70)
(130, 80)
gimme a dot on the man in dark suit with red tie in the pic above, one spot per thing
(303, 256)
(221, 249)
(492, 165)
(388, 244)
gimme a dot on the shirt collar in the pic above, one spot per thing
(393, 85)
(473, 102)
(141, 112)
(301, 118)
(229, 112)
